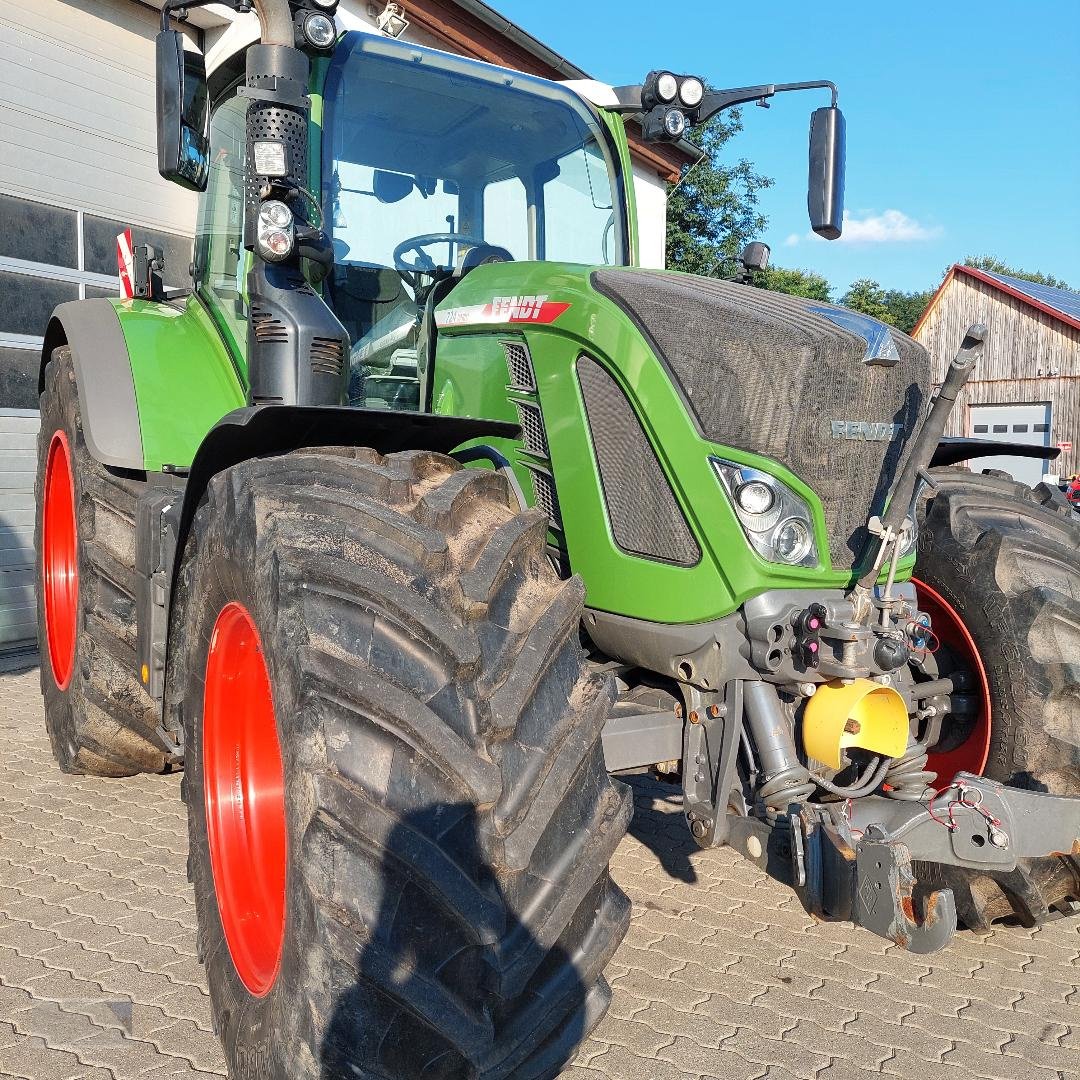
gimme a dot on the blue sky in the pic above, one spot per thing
(963, 118)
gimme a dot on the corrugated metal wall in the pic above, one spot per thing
(77, 120)
(78, 163)
(1031, 357)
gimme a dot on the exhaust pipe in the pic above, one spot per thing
(275, 22)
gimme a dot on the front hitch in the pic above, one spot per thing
(853, 861)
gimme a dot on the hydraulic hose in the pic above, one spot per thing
(871, 779)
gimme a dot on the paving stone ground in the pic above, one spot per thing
(722, 976)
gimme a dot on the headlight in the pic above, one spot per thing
(691, 91)
(777, 522)
(319, 30)
(675, 122)
(908, 541)
(666, 87)
(275, 237)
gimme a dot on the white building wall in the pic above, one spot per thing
(650, 191)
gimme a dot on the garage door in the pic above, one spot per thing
(18, 441)
(78, 163)
(1018, 424)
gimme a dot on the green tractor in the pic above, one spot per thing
(425, 511)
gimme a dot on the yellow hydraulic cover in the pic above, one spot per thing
(861, 714)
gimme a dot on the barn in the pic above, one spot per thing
(1027, 388)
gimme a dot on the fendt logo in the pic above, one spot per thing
(503, 309)
(860, 429)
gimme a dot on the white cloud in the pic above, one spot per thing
(792, 240)
(888, 227)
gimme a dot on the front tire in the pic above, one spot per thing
(1003, 570)
(447, 910)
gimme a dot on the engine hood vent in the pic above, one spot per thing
(794, 380)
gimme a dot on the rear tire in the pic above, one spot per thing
(448, 911)
(99, 718)
(1008, 563)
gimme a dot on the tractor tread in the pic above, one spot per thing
(1007, 561)
(409, 612)
(102, 724)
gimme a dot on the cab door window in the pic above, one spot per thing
(221, 258)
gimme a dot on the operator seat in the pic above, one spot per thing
(361, 295)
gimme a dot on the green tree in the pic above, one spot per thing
(867, 296)
(712, 211)
(905, 308)
(995, 266)
(794, 282)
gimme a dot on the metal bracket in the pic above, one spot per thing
(884, 899)
(282, 92)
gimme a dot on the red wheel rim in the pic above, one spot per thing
(970, 756)
(60, 560)
(245, 799)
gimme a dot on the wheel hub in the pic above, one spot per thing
(245, 799)
(59, 560)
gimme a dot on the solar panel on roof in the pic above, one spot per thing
(1064, 300)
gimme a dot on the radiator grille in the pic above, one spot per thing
(519, 366)
(645, 518)
(546, 497)
(761, 372)
(533, 435)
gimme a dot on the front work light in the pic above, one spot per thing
(691, 91)
(777, 523)
(675, 122)
(275, 236)
(319, 30)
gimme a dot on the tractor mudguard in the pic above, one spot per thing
(166, 513)
(110, 415)
(263, 430)
(153, 378)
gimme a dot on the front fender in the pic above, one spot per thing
(153, 378)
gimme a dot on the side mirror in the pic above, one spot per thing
(183, 113)
(390, 187)
(825, 189)
(755, 256)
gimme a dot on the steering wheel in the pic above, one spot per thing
(424, 263)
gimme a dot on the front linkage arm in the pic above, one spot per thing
(854, 862)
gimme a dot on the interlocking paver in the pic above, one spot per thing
(722, 975)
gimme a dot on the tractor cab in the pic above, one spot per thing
(431, 165)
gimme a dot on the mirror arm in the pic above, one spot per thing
(717, 100)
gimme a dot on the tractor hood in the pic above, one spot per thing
(832, 395)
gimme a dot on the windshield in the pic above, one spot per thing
(434, 164)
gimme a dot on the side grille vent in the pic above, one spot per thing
(645, 518)
(267, 329)
(546, 498)
(327, 356)
(532, 429)
(519, 365)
